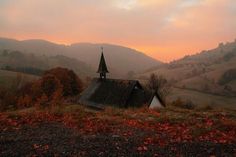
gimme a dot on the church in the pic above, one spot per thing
(105, 91)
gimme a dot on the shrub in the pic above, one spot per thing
(50, 84)
(184, 104)
(228, 76)
(205, 108)
(159, 84)
(55, 85)
(7, 99)
(71, 84)
(24, 101)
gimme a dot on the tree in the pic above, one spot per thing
(159, 84)
(24, 101)
(7, 99)
(70, 82)
(50, 84)
(227, 77)
(55, 85)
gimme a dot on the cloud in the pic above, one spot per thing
(164, 29)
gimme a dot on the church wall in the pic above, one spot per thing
(155, 103)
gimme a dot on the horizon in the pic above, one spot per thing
(140, 51)
(165, 29)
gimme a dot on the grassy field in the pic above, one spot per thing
(8, 78)
(203, 99)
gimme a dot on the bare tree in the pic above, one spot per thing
(159, 84)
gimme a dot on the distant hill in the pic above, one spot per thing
(120, 60)
(203, 71)
(32, 64)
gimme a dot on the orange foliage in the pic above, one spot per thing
(153, 133)
(71, 84)
(163, 133)
(24, 101)
(50, 90)
(7, 99)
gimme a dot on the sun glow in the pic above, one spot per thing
(164, 29)
(126, 4)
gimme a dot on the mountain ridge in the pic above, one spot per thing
(120, 59)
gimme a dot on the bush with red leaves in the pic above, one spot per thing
(7, 99)
(55, 84)
(71, 84)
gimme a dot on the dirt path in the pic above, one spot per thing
(54, 139)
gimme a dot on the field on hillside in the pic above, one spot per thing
(8, 78)
(74, 130)
(203, 99)
(210, 71)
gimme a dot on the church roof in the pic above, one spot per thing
(115, 92)
(102, 68)
(120, 93)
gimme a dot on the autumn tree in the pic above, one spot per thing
(24, 101)
(71, 84)
(52, 89)
(50, 84)
(55, 85)
(7, 99)
(158, 84)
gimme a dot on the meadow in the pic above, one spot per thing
(75, 130)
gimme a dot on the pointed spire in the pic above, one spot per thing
(102, 69)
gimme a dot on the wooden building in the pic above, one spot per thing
(116, 92)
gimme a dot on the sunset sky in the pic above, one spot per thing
(163, 29)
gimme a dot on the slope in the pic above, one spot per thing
(202, 71)
(120, 60)
(16, 60)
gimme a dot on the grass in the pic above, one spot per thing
(203, 99)
(141, 129)
(7, 78)
(172, 113)
(116, 116)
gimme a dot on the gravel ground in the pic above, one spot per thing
(54, 139)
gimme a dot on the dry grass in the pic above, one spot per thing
(203, 99)
(170, 114)
(7, 78)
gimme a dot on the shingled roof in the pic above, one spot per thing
(120, 93)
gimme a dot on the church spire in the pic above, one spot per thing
(102, 69)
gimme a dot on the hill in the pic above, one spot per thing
(9, 79)
(120, 60)
(206, 78)
(30, 63)
(203, 71)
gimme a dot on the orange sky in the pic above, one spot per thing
(163, 29)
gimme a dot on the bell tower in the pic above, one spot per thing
(102, 68)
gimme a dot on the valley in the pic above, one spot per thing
(197, 78)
